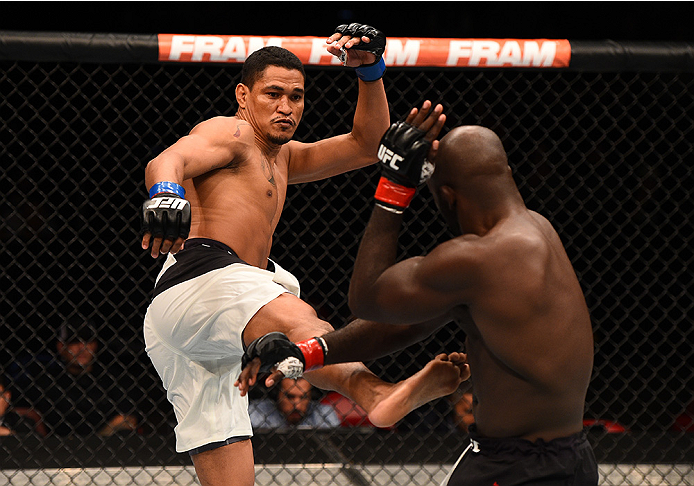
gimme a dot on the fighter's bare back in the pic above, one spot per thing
(534, 303)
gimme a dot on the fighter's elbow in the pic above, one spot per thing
(361, 306)
(354, 302)
(366, 146)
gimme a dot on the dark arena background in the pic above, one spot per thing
(602, 146)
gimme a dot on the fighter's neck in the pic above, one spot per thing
(269, 149)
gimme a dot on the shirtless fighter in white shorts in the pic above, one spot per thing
(224, 184)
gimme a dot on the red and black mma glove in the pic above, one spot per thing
(402, 153)
(275, 349)
(376, 46)
(166, 214)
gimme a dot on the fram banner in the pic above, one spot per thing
(400, 51)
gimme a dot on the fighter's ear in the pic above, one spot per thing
(242, 92)
(448, 196)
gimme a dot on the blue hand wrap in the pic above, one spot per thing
(166, 186)
(373, 72)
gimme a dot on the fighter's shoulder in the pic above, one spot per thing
(226, 129)
(518, 249)
(477, 253)
(510, 244)
(465, 250)
(293, 147)
(454, 264)
(293, 150)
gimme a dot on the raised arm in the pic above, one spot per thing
(420, 288)
(361, 47)
(410, 291)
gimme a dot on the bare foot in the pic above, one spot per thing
(440, 377)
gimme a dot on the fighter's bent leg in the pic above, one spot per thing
(226, 466)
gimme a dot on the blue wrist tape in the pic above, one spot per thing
(373, 72)
(166, 186)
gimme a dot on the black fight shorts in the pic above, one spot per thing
(566, 461)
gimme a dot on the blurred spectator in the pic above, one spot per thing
(349, 413)
(460, 400)
(16, 421)
(449, 415)
(685, 421)
(607, 426)
(291, 405)
(72, 390)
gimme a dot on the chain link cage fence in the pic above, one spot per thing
(606, 156)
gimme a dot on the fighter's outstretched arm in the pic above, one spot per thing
(416, 289)
(298, 321)
(357, 341)
(385, 403)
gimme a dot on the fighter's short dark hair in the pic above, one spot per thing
(256, 63)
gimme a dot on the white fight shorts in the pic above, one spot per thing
(203, 298)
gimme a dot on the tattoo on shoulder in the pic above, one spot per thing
(240, 123)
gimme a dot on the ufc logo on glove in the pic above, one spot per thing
(389, 157)
(168, 202)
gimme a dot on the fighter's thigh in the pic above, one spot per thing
(229, 465)
(288, 314)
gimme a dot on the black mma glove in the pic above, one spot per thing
(275, 349)
(402, 153)
(166, 214)
(376, 46)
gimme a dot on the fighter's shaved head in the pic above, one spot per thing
(469, 151)
(472, 172)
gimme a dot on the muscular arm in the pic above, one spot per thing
(299, 322)
(210, 145)
(413, 290)
(362, 340)
(342, 153)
